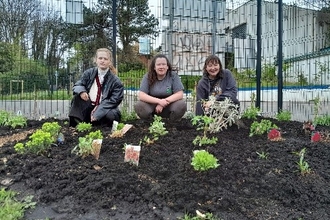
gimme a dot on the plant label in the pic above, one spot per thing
(132, 154)
(96, 145)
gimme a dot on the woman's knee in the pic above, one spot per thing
(143, 110)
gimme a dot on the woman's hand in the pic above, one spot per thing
(92, 117)
(159, 109)
(163, 102)
(84, 96)
(207, 105)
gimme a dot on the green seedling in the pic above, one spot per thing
(263, 155)
(156, 130)
(302, 164)
(202, 123)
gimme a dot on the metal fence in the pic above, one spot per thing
(44, 51)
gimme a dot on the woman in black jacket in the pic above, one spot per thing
(98, 93)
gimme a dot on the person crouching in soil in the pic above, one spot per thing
(98, 93)
(217, 82)
(161, 92)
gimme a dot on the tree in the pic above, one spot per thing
(134, 21)
(6, 57)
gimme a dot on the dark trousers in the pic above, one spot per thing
(81, 110)
(173, 111)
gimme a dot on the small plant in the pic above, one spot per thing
(203, 160)
(40, 141)
(85, 144)
(224, 113)
(199, 216)
(251, 112)
(127, 115)
(116, 130)
(283, 115)
(11, 207)
(53, 128)
(259, 128)
(262, 155)
(203, 122)
(19, 148)
(302, 164)
(274, 135)
(317, 102)
(322, 120)
(316, 136)
(95, 135)
(156, 129)
(84, 127)
(3, 117)
(84, 147)
(16, 121)
(308, 127)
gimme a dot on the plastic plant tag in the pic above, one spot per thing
(96, 145)
(132, 154)
(114, 126)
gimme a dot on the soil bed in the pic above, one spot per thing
(164, 185)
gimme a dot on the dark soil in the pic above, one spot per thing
(164, 185)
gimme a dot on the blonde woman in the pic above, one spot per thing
(98, 93)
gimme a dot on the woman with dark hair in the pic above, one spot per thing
(217, 82)
(161, 92)
(98, 93)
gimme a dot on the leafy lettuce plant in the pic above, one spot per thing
(203, 160)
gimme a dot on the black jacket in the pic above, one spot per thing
(228, 86)
(112, 90)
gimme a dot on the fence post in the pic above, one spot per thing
(114, 33)
(280, 58)
(258, 67)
